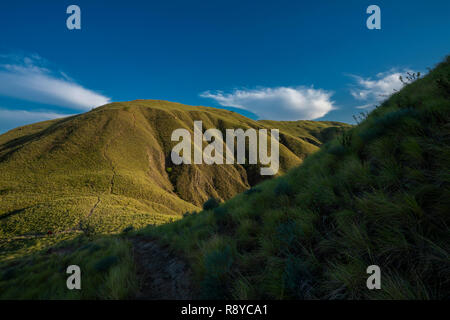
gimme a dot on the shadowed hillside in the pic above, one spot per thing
(377, 195)
(109, 168)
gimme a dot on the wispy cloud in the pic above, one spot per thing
(372, 91)
(28, 78)
(280, 103)
(10, 119)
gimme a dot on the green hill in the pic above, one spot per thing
(110, 168)
(106, 170)
(377, 195)
(314, 132)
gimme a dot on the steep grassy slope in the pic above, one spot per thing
(109, 168)
(378, 195)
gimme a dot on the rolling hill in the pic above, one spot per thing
(110, 168)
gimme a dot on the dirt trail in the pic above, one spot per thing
(162, 276)
(93, 208)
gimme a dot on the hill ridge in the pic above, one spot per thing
(110, 167)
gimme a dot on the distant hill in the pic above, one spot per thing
(314, 132)
(109, 168)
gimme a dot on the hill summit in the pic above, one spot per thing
(111, 167)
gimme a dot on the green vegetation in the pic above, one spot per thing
(212, 203)
(70, 182)
(378, 194)
(314, 132)
(110, 168)
(107, 267)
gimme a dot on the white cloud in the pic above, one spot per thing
(27, 78)
(281, 103)
(10, 119)
(373, 91)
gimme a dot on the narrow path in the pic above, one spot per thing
(111, 163)
(162, 276)
(93, 208)
(111, 183)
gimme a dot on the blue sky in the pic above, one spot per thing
(284, 60)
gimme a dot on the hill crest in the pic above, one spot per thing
(114, 161)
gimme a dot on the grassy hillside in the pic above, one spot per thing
(377, 195)
(100, 172)
(110, 168)
(108, 270)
